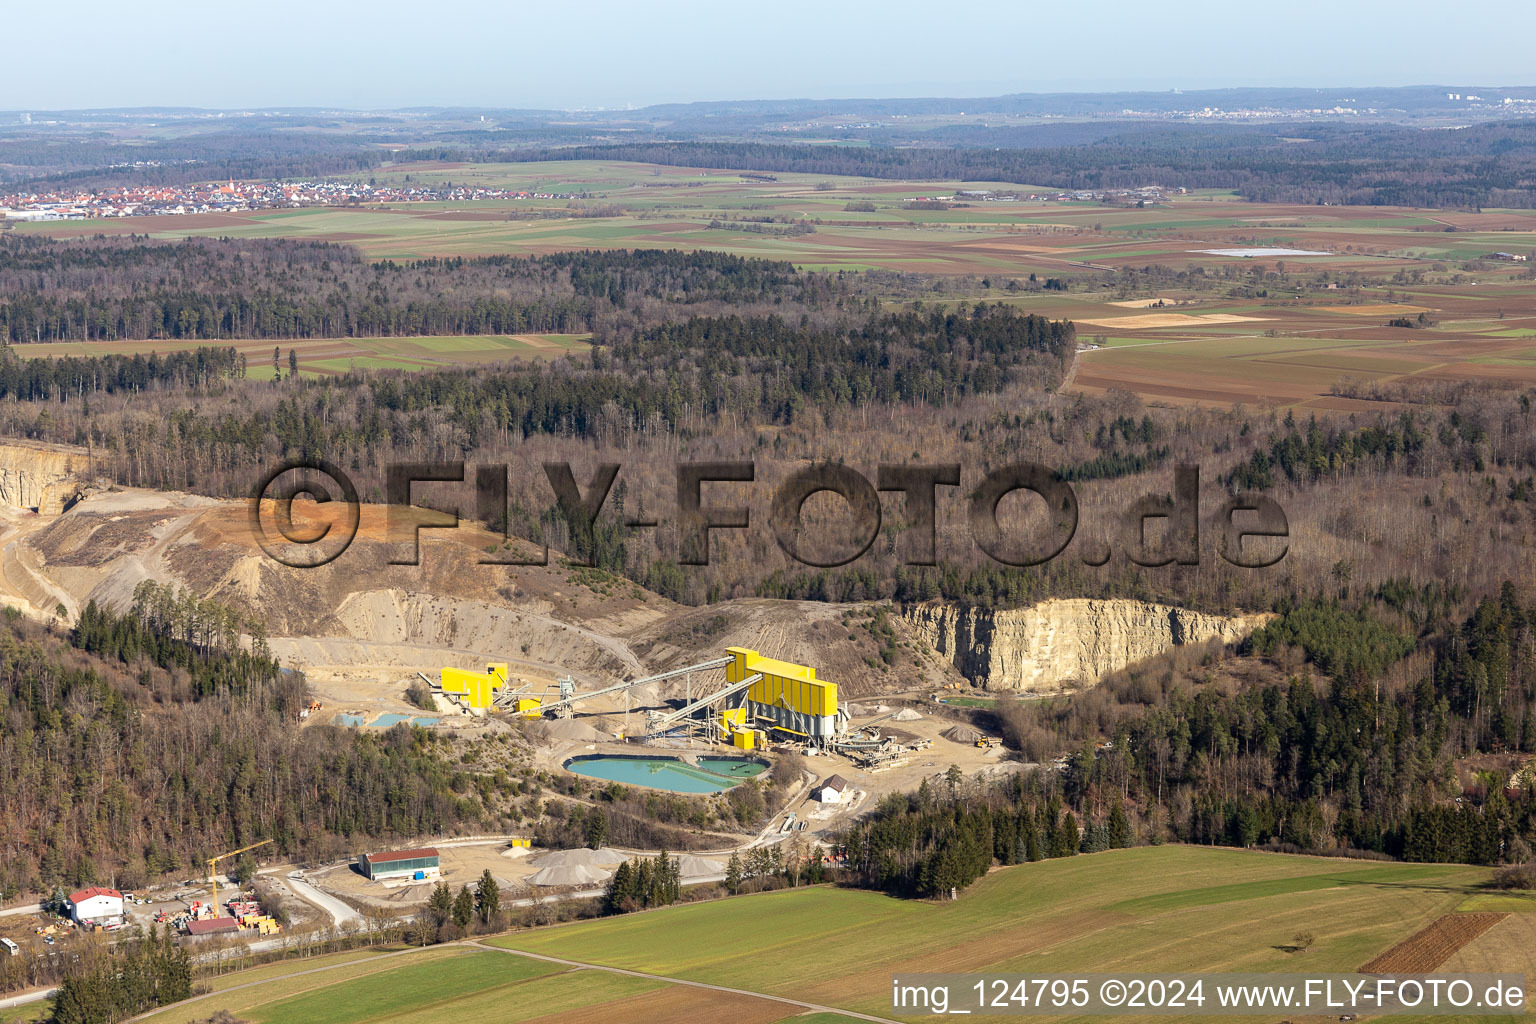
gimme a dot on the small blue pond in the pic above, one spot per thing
(384, 721)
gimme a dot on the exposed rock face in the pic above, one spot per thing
(1041, 649)
(41, 477)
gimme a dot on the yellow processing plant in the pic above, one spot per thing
(760, 695)
(475, 690)
(788, 696)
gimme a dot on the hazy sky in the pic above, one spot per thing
(390, 53)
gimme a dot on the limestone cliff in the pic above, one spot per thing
(41, 477)
(1043, 648)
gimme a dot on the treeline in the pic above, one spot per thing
(450, 916)
(136, 766)
(108, 289)
(200, 638)
(643, 883)
(109, 987)
(74, 377)
(934, 840)
(1373, 164)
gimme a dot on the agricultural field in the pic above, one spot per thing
(1193, 909)
(629, 204)
(469, 985)
(1428, 948)
(1321, 357)
(1317, 337)
(322, 357)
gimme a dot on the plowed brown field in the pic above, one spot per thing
(1430, 947)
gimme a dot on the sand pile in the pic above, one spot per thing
(644, 696)
(695, 867)
(566, 729)
(576, 874)
(575, 867)
(603, 857)
(908, 715)
(961, 734)
(856, 710)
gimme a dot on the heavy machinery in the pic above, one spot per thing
(213, 877)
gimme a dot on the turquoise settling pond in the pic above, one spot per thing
(712, 774)
(383, 721)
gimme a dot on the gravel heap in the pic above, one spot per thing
(694, 867)
(603, 857)
(576, 874)
(575, 867)
(566, 729)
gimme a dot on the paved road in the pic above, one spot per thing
(30, 908)
(26, 997)
(339, 911)
(691, 984)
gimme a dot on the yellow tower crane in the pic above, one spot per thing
(212, 861)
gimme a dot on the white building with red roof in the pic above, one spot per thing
(96, 905)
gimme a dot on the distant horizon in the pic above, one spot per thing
(389, 54)
(320, 107)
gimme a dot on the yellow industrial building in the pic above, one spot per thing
(781, 697)
(788, 695)
(475, 690)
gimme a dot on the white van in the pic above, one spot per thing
(10, 947)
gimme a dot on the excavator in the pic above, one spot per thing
(213, 876)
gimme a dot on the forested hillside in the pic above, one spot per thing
(1354, 754)
(137, 743)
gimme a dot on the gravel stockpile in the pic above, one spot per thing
(566, 729)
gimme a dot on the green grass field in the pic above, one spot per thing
(1152, 909)
(27, 1014)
